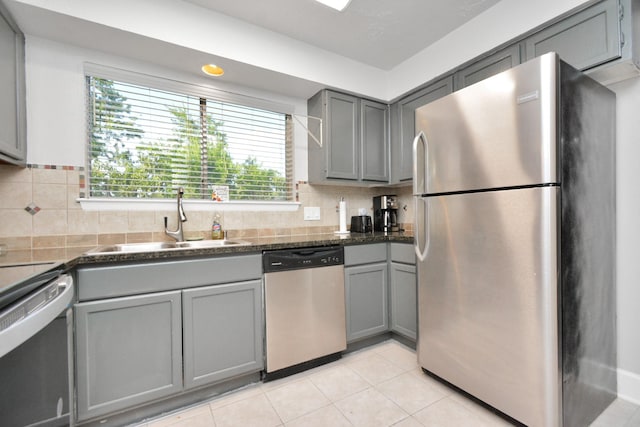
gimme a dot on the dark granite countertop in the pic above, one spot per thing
(14, 275)
(257, 245)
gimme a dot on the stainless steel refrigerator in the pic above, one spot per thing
(514, 190)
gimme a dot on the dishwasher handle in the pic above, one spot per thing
(312, 252)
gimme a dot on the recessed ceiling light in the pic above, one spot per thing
(336, 4)
(212, 70)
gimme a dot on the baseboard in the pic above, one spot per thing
(629, 386)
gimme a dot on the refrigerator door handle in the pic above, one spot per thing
(419, 163)
(421, 228)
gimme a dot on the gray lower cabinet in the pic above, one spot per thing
(366, 290)
(354, 137)
(222, 332)
(584, 40)
(12, 87)
(403, 289)
(158, 329)
(128, 351)
(488, 66)
(366, 300)
(403, 127)
(404, 297)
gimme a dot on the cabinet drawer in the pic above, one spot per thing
(131, 279)
(403, 252)
(365, 254)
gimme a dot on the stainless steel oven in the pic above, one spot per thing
(35, 345)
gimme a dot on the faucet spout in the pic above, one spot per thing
(177, 234)
(181, 215)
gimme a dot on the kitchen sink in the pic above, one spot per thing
(211, 243)
(161, 246)
(135, 247)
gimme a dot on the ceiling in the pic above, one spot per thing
(380, 33)
(379, 49)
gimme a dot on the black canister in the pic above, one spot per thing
(361, 224)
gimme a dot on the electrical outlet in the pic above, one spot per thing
(312, 213)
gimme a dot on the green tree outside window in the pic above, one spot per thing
(134, 156)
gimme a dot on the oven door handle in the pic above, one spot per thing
(30, 315)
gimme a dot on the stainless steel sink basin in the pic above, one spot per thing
(211, 243)
(135, 247)
(161, 246)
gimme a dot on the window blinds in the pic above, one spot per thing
(146, 142)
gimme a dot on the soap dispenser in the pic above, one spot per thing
(216, 228)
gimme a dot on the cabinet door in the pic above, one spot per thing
(222, 332)
(403, 127)
(367, 306)
(404, 300)
(374, 159)
(487, 67)
(584, 40)
(341, 135)
(128, 352)
(12, 107)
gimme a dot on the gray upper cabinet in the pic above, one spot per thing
(128, 351)
(374, 159)
(488, 66)
(341, 136)
(584, 40)
(12, 87)
(222, 332)
(403, 125)
(354, 139)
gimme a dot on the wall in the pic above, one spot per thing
(41, 219)
(628, 236)
(56, 118)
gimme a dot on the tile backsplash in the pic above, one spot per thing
(41, 215)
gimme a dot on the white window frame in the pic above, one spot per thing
(131, 204)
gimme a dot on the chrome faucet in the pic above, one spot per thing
(177, 234)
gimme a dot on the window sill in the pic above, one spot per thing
(97, 204)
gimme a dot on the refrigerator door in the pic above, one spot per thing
(500, 132)
(488, 298)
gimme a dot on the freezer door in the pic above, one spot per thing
(488, 298)
(500, 132)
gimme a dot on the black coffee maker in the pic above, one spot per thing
(385, 213)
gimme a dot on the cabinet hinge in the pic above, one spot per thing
(620, 17)
(620, 10)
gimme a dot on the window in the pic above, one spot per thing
(145, 142)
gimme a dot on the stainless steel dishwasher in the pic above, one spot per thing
(305, 308)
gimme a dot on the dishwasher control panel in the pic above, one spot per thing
(295, 259)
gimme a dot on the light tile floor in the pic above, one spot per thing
(379, 386)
